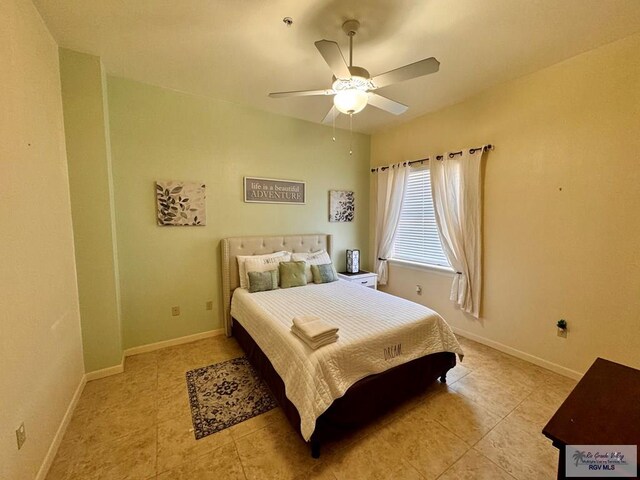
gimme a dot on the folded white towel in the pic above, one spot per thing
(302, 319)
(313, 327)
(314, 344)
(317, 338)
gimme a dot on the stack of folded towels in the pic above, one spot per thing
(314, 331)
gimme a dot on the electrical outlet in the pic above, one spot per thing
(21, 435)
(562, 332)
(419, 289)
(175, 311)
(209, 305)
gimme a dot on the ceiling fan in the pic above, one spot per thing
(353, 86)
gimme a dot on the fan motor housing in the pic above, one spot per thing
(358, 72)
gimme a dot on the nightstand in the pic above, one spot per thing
(365, 279)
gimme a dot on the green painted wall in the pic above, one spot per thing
(159, 134)
(89, 161)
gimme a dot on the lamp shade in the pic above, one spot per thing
(350, 101)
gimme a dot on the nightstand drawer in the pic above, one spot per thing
(365, 279)
(365, 282)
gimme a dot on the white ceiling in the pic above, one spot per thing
(240, 50)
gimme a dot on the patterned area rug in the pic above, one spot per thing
(224, 394)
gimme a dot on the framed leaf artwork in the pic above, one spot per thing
(341, 206)
(181, 203)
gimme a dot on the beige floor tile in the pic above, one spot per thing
(138, 425)
(321, 471)
(141, 362)
(496, 394)
(475, 466)
(173, 402)
(222, 463)
(423, 442)
(371, 458)
(275, 452)
(177, 443)
(142, 368)
(462, 416)
(105, 418)
(477, 355)
(174, 376)
(129, 457)
(531, 415)
(524, 455)
(251, 425)
(456, 373)
(554, 393)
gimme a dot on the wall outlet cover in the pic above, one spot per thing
(209, 305)
(175, 311)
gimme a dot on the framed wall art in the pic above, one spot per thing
(341, 206)
(181, 203)
(271, 190)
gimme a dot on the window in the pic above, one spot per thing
(417, 238)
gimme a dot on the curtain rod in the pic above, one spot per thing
(439, 157)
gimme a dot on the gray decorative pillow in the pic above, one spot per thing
(324, 273)
(263, 281)
(292, 274)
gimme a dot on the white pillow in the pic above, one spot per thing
(321, 257)
(282, 256)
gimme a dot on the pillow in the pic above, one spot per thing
(321, 257)
(324, 273)
(242, 271)
(292, 274)
(262, 281)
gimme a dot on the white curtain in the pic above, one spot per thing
(457, 199)
(391, 184)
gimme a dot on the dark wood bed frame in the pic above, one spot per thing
(364, 401)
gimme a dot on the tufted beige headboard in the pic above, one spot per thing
(231, 247)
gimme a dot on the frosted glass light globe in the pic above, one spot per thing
(350, 101)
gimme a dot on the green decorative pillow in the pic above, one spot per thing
(292, 274)
(324, 273)
(263, 281)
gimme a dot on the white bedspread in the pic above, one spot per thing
(377, 332)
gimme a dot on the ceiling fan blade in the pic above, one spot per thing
(331, 53)
(413, 70)
(302, 93)
(331, 115)
(386, 104)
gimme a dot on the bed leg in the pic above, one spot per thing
(443, 378)
(315, 448)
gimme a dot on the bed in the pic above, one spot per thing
(329, 391)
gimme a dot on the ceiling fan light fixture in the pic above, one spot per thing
(350, 101)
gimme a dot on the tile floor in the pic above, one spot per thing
(485, 424)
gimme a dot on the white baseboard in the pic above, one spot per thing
(105, 372)
(170, 343)
(57, 438)
(554, 367)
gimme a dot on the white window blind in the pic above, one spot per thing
(417, 237)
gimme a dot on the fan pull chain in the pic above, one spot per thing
(351, 134)
(334, 128)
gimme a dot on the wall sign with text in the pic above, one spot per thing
(270, 190)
